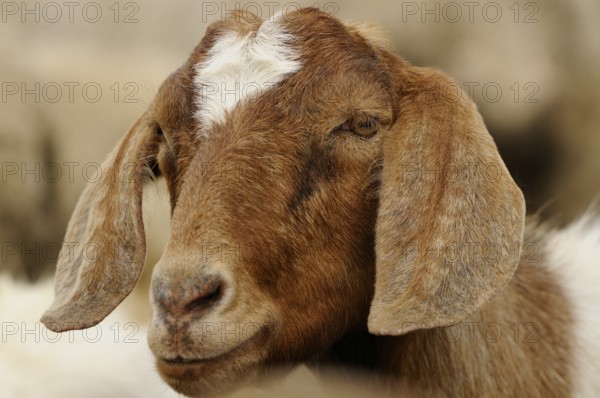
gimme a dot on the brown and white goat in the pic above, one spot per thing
(331, 204)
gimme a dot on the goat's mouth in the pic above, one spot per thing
(207, 376)
(182, 361)
(192, 368)
(179, 363)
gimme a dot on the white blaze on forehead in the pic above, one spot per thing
(239, 68)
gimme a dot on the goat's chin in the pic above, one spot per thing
(208, 379)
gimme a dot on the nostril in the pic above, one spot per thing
(180, 295)
(206, 298)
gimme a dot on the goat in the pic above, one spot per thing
(331, 204)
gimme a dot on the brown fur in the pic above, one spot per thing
(315, 235)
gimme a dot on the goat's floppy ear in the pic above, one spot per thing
(450, 220)
(104, 248)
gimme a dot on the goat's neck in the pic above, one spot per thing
(518, 343)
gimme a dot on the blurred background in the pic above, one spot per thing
(75, 75)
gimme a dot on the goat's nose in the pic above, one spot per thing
(180, 297)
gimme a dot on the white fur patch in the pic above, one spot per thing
(574, 254)
(238, 68)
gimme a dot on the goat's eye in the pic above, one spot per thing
(363, 127)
